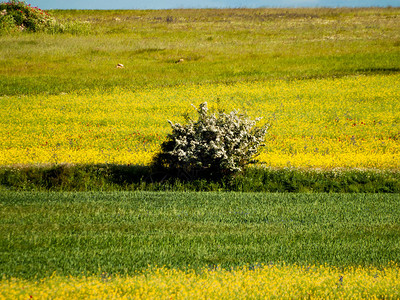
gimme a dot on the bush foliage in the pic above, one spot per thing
(212, 146)
(19, 16)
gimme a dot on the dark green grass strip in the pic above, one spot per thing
(130, 177)
(122, 232)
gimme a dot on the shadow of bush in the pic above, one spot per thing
(113, 177)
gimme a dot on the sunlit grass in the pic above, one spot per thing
(273, 43)
(75, 233)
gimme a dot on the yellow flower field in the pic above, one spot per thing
(349, 122)
(259, 282)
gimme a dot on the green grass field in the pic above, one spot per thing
(216, 45)
(120, 233)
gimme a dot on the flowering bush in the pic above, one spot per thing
(21, 16)
(16, 15)
(215, 145)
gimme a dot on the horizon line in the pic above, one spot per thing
(236, 7)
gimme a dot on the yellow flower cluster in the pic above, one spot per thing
(350, 122)
(255, 282)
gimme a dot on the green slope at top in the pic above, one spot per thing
(170, 47)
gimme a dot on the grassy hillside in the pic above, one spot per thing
(217, 46)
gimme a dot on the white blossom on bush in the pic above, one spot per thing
(213, 145)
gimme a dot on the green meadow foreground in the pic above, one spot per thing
(328, 82)
(272, 241)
